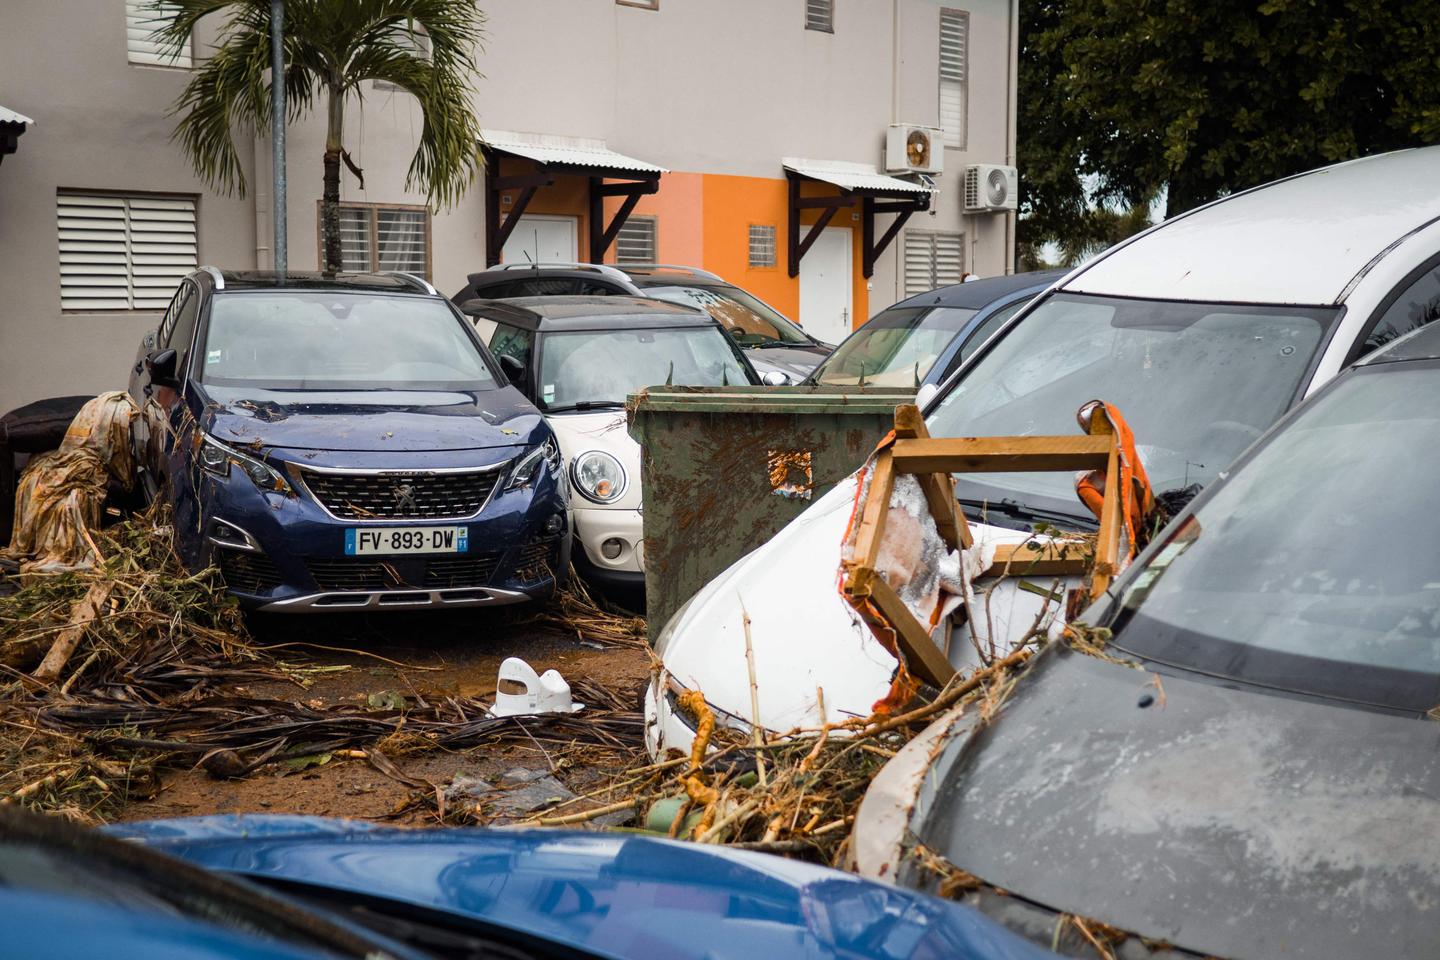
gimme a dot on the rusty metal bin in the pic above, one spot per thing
(724, 468)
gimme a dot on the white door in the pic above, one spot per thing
(825, 286)
(542, 239)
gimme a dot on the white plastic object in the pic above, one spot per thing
(544, 693)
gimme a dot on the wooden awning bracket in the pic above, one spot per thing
(871, 204)
(933, 461)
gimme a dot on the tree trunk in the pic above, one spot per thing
(330, 199)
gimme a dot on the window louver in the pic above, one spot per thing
(954, 51)
(635, 243)
(355, 240)
(762, 245)
(933, 260)
(123, 253)
(140, 22)
(820, 15)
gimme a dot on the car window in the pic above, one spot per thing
(485, 327)
(1313, 567)
(1417, 306)
(340, 341)
(749, 321)
(1197, 383)
(609, 365)
(546, 287)
(184, 330)
(896, 348)
(994, 322)
(508, 341)
(172, 313)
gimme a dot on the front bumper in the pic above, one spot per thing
(593, 527)
(285, 553)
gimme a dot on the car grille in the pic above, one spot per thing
(536, 561)
(341, 574)
(402, 496)
(248, 572)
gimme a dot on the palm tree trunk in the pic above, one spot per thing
(330, 202)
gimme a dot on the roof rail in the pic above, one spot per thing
(601, 268)
(216, 276)
(419, 283)
(678, 268)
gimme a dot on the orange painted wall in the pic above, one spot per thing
(704, 219)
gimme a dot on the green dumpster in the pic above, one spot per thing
(724, 468)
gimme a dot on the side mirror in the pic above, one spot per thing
(514, 368)
(162, 370)
(774, 378)
(925, 394)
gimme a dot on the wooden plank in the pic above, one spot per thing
(921, 655)
(1001, 454)
(1039, 560)
(872, 515)
(939, 488)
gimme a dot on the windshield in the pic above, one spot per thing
(897, 348)
(1314, 567)
(750, 322)
(340, 341)
(1196, 382)
(606, 366)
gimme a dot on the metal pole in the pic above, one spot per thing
(277, 129)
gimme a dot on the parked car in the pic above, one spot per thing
(781, 351)
(577, 359)
(345, 443)
(1267, 783)
(303, 888)
(925, 338)
(1203, 331)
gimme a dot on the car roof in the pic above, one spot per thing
(1422, 344)
(313, 280)
(590, 312)
(1301, 240)
(982, 292)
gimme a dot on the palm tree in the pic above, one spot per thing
(331, 47)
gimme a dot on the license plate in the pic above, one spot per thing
(406, 540)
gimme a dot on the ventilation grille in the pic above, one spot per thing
(635, 243)
(820, 15)
(536, 561)
(933, 260)
(246, 572)
(954, 56)
(140, 23)
(762, 245)
(402, 496)
(449, 573)
(123, 253)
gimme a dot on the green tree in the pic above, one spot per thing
(1194, 99)
(331, 47)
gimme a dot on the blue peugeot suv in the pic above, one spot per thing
(345, 442)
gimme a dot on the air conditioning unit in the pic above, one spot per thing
(911, 148)
(990, 188)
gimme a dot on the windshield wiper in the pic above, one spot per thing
(1016, 510)
(588, 405)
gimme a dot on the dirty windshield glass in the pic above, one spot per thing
(896, 348)
(339, 341)
(1314, 567)
(749, 321)
(606, 366)
(1196, 382)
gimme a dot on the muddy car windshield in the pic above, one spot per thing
(603, 367)
(1196, 382)
(1314, 567)
(896, 348)
(339, 341)
(749, 321)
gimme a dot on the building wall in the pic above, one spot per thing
(716, 92)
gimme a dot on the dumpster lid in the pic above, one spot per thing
(746, 399)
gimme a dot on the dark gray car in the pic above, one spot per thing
(1251, 766)
(775, 346)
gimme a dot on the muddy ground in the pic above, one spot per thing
(425, 656)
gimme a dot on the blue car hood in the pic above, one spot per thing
(368, 420)
(616, 895)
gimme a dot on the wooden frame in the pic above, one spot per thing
(932, 461)
(870, 202)
(374, 209)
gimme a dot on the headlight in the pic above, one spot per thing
(598, 476)
(528, 468)
(217, 457)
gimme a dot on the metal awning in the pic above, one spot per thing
(549, 149)
(12, 124)
(554, 156)
(855, 177)
(858, 183)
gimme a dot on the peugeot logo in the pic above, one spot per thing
(404, 496)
